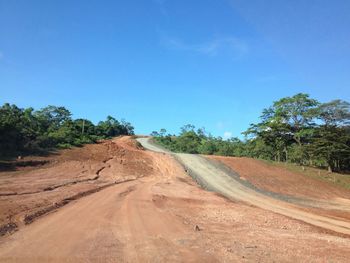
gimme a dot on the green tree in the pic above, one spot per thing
(112, 127)
(332, 144)
(52, 117)
(109, 128)
(29, 131)
(208, 144)
(188, 141)
(290, 118)
(298, 112)
(10, 129)
(331, 141)
(334, 113)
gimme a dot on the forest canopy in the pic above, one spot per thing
(24, 131)
(295, 129)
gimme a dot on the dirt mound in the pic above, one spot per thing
(33, 189)
(166, 217)
(158, 215)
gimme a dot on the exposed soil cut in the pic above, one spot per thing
(279, 180)
(30, 191)
(160, 216)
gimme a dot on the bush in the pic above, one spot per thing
(29, 131)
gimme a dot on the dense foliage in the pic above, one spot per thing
(30, 131)
(191, 140)
(295, 129)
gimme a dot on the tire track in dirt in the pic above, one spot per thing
(33, 192)
(30, 218)
(122, 223)
(164, 216)
(54, 187)
(213, 178)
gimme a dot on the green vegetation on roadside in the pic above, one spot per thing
(295, 129)
(191, 140)
(28, 131)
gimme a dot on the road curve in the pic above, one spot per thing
(215, 178)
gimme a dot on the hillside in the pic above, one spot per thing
(143, 207)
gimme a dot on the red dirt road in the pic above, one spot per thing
(163, 216)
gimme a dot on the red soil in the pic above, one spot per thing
(160, 216)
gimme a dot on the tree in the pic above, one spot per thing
(84, 126)
(202, 133)
(208, 146)
(112, 127)
(52, 117)
(10, 129)
(109, 128)
(296, 129)
(30, 130)
(297, 112)
(288, 119)
(332, 145)
(331, 141)
(187, 128)
(274, 133)
(162, 132)
(155, 134)
(335, 113)
(127, 128)
(27, 131)
(188, 141)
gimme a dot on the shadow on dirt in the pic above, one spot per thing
(28, 159)
(13, 165)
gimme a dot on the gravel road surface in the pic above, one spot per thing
(214, 178)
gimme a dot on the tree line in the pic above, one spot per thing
(26, 131)
(296, 129)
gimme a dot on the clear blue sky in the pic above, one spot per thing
(165, 63)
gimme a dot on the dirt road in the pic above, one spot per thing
(117, 223)
(160, 216)
(121, 223)
(212, 177)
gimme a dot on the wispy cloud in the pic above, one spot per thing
(234, 46)
(230, 44)
(227, 135)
